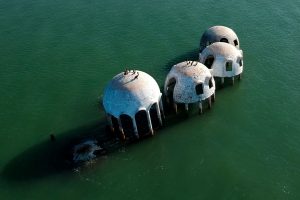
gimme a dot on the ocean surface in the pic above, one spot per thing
(57, 56)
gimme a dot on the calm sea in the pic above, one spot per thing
(57, 56)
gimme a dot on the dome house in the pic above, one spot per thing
(189, 82)
(223, 60)
(132, 102)
(219, 34)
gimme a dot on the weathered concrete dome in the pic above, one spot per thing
(127, 94)
(219, 34)
(189, 82)
(223, 60)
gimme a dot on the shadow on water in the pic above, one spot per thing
(51, 157)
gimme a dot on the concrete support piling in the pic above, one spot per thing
(200, 107)
(209, 102)
(111, 127)
(161, 107)
(135, 129)
(213, 97)
(240, 76)
(121, 129)
(222, 80)
(175, 107)
(186, 106)
(150, 123)
(158, 114)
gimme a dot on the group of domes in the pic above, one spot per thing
(133, 101)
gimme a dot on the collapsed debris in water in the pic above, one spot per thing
(85, 151)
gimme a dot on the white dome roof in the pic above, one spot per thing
(223, 53)
(188, 74)
(216, 34)
(222, 49)
(126, 94)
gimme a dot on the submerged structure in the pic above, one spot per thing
(219, 34)
(223, 60)
(133, 105)
(85, 151)
(189, 82)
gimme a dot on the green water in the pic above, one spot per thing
(57, 56)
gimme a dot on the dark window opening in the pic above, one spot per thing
(209, 61)
(210, 83)
(142, 122)
(127, 125)
(228, 66)
(224, 40)
(241, 62)
(236, 42)
(171, 83)
(170, 88)
(199, 89)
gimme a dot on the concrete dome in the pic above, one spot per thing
(127, 94)
(219, 34)
(223, 60)
(190, 82)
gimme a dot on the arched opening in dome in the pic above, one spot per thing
(209, 61)
(199, 89)
(228, 66)
(224, 40)
(154, 116)
(210, 83)
(170, 89)
(127, 125)
(235, 42)
(142, 122)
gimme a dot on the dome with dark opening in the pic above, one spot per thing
(223, 60)
(126, 96)
(189, 82)
(219, 34)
